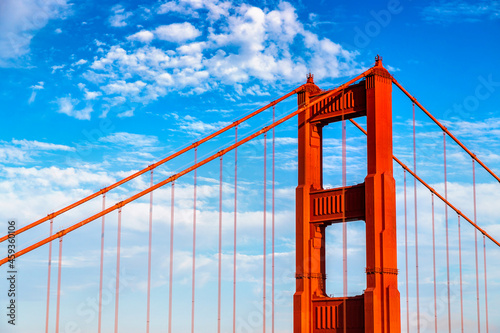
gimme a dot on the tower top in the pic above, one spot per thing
(378, 61)
(310, 78)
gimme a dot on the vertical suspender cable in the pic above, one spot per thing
(171, 265)
(475, 245)
(434, 266)
(149, 254)
(194, 240)
(406, 256)
(416, 220)
(220, 249)
(460, 268)
(101, 271)
(48, 280)
(447, 236)
(344, 224)
(273, 223)
(485, 285)
(117, 291)
(235, 221)
(59, 285)
(264, 250)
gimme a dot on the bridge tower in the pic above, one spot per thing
(377, 310)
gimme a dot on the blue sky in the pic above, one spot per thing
(92, 91)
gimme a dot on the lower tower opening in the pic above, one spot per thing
(356, 259)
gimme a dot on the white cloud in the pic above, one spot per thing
(490, 126)
(192, 48)
(58, 31)
(143, 36)
(57, 67)
(177, 32)
(80, 62)
(195, 126)
(251, 49)
(124, 88)
(119, 16)
(165, 79)
(38, 86)
(32, 97)
(90, 95)
(20, 20)
(34, 88)
(22, 151)
(461, 11)
(37, 145)
(216, 9)
(67, 177)
(124, 138)
(126, 114)
(285, 141)
(175, 7)
(67, 107)
(13, 155)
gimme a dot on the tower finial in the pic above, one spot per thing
(378, 61)
(310, 78)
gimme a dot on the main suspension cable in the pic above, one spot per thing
(414, 100)
(416, 220)
(430, 188)
(152, 166)
(183, 172)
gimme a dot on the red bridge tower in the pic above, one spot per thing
(377, 310)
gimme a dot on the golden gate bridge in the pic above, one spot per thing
(454, 275)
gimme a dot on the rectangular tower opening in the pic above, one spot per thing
(356, 259)
(356, 162)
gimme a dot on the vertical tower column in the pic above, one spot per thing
(382, 301)
(310, 241)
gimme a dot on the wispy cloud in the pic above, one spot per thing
(67, 106)
(68, 177)
(119, 16)
(461, 11)
(55, 68)
(215, 8)
(130, 139)
(79, 62)
(23, 151)
(37, 145)
(89, 95)
(20, 20)
(126, 114)
(34, 89)
(192, 125)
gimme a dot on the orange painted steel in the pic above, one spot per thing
(310, 249)
(235, 224)
(150, 167)
(414, 100)
(378, 309)
(382, 299)
(430, 188)
(58, 304)
(176, 176)
(47, 307)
